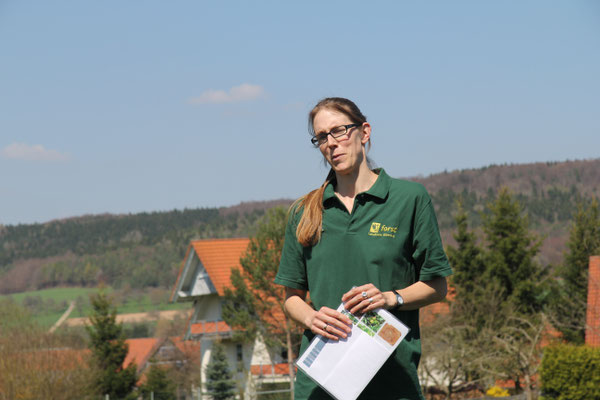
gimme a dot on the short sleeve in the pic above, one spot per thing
(292, 267)
(428, 254)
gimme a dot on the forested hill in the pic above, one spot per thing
(146, 249)
(548, 191)
(140, 250)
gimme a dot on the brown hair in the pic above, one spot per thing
(310, 226)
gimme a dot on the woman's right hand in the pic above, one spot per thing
(329, 323)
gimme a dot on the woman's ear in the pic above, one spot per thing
(366, 133)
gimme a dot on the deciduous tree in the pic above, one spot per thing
(255, 305)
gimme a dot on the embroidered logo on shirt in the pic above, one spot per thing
(375, 227)
(379, 229)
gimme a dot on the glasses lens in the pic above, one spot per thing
(339, 131)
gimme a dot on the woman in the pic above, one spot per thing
(365, 230)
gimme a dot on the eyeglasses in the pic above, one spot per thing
(335, 133)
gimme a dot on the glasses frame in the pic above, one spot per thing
(321, 138)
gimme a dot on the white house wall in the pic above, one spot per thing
(208, 308)
(242, 377)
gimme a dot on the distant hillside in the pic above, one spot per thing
(140, 250)
(145, 249)
(548, 192)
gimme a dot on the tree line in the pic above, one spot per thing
(506, 305)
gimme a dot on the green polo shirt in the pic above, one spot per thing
(390, 239)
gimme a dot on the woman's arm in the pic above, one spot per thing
(326, 322)
(415, 296)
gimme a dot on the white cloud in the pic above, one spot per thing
(37, 152)
(243, 92)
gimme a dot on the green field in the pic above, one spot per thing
(46, 306)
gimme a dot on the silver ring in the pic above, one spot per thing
(370, 300)
(365, 295)
(325, 327)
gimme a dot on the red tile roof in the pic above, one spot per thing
(279, 369)
(190, 348)
(209, 327)
(140, 351)
(218, 256)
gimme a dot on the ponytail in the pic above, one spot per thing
(310, 226)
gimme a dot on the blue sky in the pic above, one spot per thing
(130, 106)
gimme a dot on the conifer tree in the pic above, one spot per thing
(255, 306)
(510, 259)
(107, 343)
(570, 300)
(467, 262)
(219, 382)
(158, 385)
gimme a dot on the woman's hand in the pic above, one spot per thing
(367, 297)
(329, 323)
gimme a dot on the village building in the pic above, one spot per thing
(202, 279)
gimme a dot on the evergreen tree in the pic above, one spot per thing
(219, 382)
(510, 259)
(255, 306)
(158, 384)
(570, 300)
(107, 343)
(467, 262)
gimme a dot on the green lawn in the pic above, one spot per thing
(48, 305)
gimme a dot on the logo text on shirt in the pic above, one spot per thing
(379, 229)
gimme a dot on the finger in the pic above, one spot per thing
(339, 321)
(368, 304)
(378, 302)
(330, 332)
(359, 299)
(355, 296)
(356, 290)
(331, 317)
(364, 306)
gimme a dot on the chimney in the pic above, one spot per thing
(592, 331)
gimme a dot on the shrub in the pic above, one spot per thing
(570, 372)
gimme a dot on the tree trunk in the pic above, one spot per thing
(528, 390)
(290, 355)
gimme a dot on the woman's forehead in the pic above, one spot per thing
(327, 119)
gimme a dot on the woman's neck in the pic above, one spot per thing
(360, 180)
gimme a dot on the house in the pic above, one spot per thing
(202, 279)
(170, 352)
(592, 331)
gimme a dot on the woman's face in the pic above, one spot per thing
(346, 153)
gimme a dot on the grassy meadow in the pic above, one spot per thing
(46, 306)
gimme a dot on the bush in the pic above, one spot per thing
(570, 372)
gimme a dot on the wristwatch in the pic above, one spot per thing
(399, 299)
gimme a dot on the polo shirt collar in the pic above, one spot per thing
(380, 188)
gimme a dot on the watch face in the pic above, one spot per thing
(399, 299)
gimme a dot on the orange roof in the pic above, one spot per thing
(209, 327)
(218, 256)
(140, 351)
(191, 348)
(280, 369)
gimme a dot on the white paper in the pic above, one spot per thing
(344, 367)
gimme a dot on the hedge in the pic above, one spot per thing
(570, 372)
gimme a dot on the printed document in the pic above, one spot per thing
(344, 367)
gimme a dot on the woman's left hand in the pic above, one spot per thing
(367, 297)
